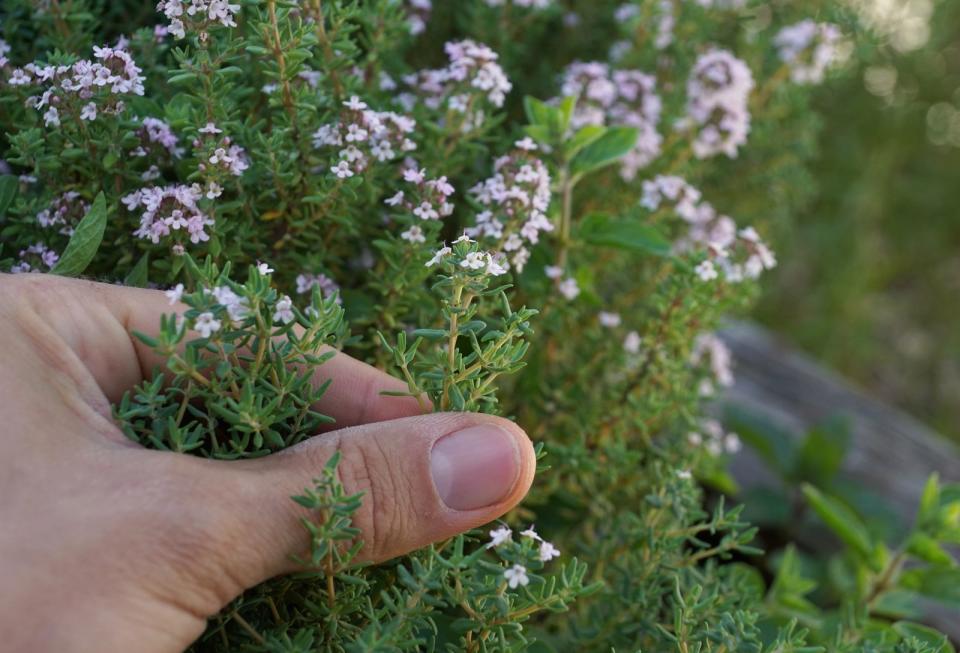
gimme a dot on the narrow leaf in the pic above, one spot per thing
(841, 520)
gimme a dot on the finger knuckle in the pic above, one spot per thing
(365, 467)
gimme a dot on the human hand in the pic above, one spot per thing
(106, 546)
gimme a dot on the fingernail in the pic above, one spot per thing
(475, 467)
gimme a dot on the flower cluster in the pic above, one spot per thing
(711, 351)
(471, 79)
(532, 546)
(307, 281)
(64, 212)
(665, 22)
(809, 48)
(83, 90)
(463, 256)
(714, 438)
(156, 135)
(515, 202)
(619, 97)
(197, 15)
(35, 258)
(168, 210)
(718, 90)
(738, 254)
(219, 158)
(427, 201)
(365, 136)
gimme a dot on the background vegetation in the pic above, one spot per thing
(870, 269)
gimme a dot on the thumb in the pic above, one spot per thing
(423, 479)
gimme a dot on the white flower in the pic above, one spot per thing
(206, 325)
(443, 251)
(413, 175)
(708, 347)
(695, 439)
(174, 294)
(238, 308)
(684, 474)
(355, 104)
(731, 443)
(342, 170)
(52, 117)
(19, 78)
(426, 212)
(531, 533)
(609, 320)
(706, 271)
(210, 128)
(494, 268)
(553, 271)
(516, 576)
(464, 239)
(264, 269)
(499, 535)
(89, 111)
(473, 261)
(548, 552)
(395, 200)
(284, 311)
(631, 344)
(414, 235)
(527, 144)
(569, 288)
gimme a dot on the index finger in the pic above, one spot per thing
(96, 321)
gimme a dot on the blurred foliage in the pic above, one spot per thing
(870, 269)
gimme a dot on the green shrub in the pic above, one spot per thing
(318, 176)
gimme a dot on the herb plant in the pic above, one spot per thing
(534, 208)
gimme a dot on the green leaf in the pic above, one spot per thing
(430, 334)
(841, 520)
(539, 133)
(9, 185)
(929, 501)
(584, 137)
(628, 233)
(607, 149)
(926, 548)
(110, 159)
(938, 583)
(137, 277)
(820, 456)
(565, 113)
(539, 113)
(85, 241)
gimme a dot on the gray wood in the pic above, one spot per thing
(890, 452)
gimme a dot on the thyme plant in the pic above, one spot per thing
(533, 208)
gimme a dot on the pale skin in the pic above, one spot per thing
(107, 546)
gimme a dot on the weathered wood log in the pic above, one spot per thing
(891, 453)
